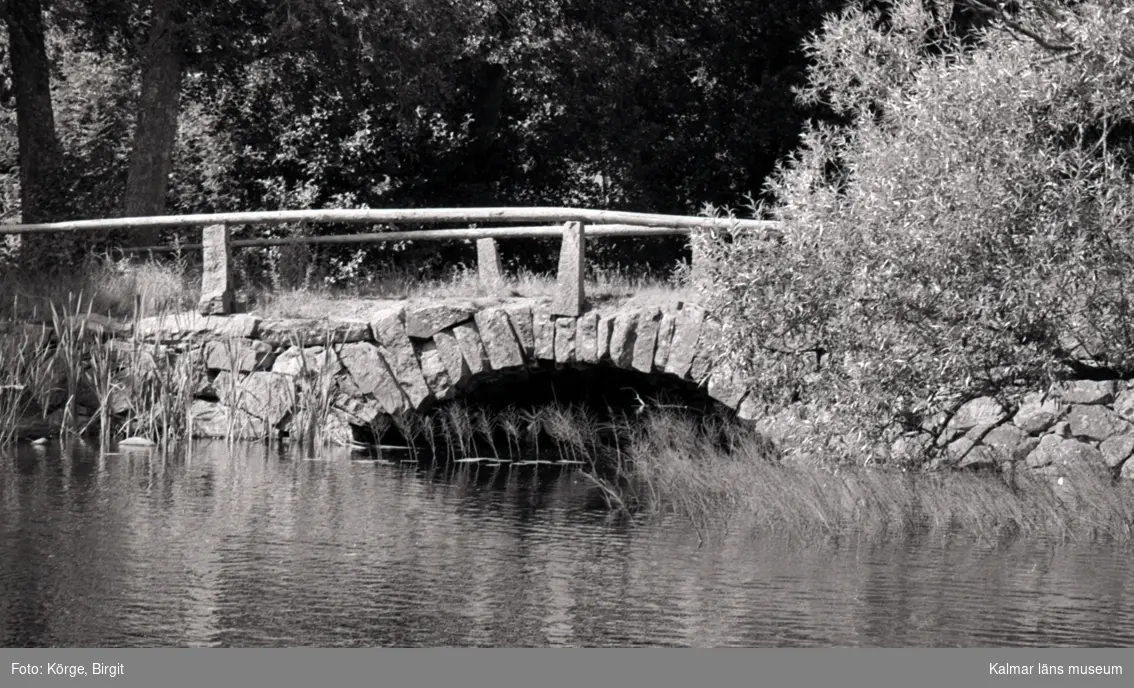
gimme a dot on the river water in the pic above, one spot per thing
(249, 548)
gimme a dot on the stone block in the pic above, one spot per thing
(521, 319)
(394, 344)
(1087, 391)
(436, 372)
(240, 355)
(1037, 413)
(569, 295)
(1095, 422)
(586, 338)
(472, 348)
(543, 328)
(425, 321)
(281, 332)
(645, 341)
(665, 338)
(622, 337)
(686, 335)
(371, 375)
(1117, 449)
(565, 348)
(499, 339)
(450, 352)
(216, 272)
(489, 272)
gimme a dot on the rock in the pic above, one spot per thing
(241, 355)
(212, 419)
(1095, 422)
(264, 395)
(394, 344)
(960, 448)
(726, 387)
(543, 328)
(665, 339)
(371, 375)
(450, 352)
(472, 348)
(565, 340)
(1124, 405)
(646, 339)
(521, 319)
(911, 448)
(603, 332)
(751, 407)
(976, 412)
(182, 326)
(1127, 472)
(1087, 391)
(1060, 452)
(1116, 450)
(137, 442)
(337, 429)
(1037, 413)
(499, 339)
(312, 360)
(436, 372)
(701, 367)
(425, 321)
(96, 325)
(981, 457)
(360, 411)
(683, 346)
(1005, 441)
(586, 338)
(282, 332)
(622, 338)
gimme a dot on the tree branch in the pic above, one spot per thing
(1000, 15)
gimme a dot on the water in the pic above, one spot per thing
(252, 549)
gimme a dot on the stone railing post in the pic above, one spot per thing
(216, 272)
(569, 294)
(488, 264)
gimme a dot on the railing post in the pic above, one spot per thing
(572, 256)
(216, 277)
(488, 263)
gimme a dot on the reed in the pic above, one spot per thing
(672, 467)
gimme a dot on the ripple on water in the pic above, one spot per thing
(251, 549)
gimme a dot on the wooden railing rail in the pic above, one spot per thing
(577, 224)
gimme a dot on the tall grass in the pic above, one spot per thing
(670, 467)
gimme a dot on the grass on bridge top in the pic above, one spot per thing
(127, 290)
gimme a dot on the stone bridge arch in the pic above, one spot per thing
(435, 352)
(405, 358)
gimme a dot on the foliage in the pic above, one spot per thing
(968, 231)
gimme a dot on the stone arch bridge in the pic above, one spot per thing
(407, 357)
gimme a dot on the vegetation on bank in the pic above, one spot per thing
(968, 230)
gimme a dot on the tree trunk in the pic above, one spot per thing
(35, 118)
(147, 180)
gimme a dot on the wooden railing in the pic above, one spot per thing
(575, 226)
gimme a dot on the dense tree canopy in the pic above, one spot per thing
(247, 104)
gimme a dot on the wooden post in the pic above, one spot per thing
(216, 277)
(488, 264)
(572, 256)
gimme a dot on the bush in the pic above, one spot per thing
(968, 232)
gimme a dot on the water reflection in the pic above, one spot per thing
(254, 549)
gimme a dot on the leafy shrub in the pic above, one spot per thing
(970, 231)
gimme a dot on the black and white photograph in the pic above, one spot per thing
(401, 324)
